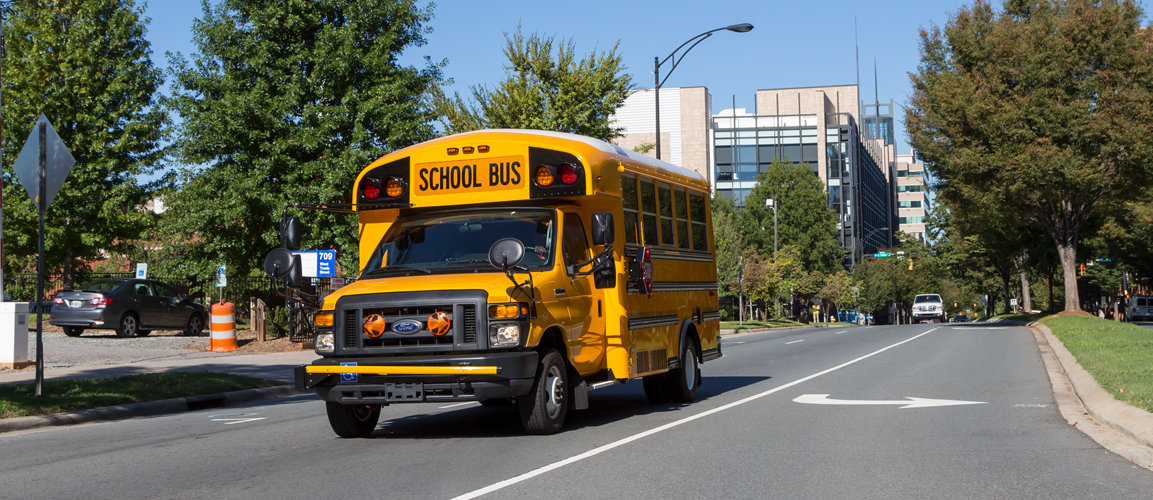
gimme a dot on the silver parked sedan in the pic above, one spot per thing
(133, 307)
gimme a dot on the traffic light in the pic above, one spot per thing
(910, 264)
(1082, 269)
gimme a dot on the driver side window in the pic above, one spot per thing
(574, 247)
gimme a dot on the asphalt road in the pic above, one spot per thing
(745, 436)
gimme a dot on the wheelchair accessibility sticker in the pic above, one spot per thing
(348, 377)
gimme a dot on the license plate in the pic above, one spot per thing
(74, 303)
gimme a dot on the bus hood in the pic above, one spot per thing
(499, 288)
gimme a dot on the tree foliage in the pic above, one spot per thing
(545, 90)
(804, 218)
(86, 66)
(1043, 109)
(285, 102)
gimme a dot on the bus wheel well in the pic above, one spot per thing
(553, 338)
(691, 334)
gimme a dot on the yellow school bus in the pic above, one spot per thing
(523, 268)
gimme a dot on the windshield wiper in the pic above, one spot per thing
(470, 261)
(386, 269)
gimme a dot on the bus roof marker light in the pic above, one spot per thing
(543, 176)
(453, 151)
(482, 149)
(468, 150)
(370, 188)
(394, 188)
(568, 173)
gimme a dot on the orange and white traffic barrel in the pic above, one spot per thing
(223, 328)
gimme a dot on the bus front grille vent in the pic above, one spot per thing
(350, 329)
(469, 324)
(648, 361)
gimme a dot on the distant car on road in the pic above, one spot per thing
(928, 306)
(960, 318)
(1140, 308)
(133, 307)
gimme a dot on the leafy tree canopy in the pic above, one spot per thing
(804, 218)
(86, 66)
(545, 90)
(285, 102)
(1044, 109)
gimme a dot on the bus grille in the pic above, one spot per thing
(350, 329)
(469, 324)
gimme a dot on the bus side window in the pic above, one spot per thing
(697, 212)
(682, 210)
(649, 213)
(632, 216)
(666, 203)
(574, 246)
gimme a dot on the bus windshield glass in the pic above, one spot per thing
(441, 243)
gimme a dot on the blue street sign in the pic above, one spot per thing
(317, 263)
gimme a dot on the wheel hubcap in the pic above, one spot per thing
(554, 384)
(363, 413)
(130, 325)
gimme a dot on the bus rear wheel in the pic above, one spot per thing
(683, 381)
(352, 421)
(543, 409)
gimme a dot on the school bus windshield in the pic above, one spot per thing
(456, 242)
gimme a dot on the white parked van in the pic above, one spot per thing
(1139, 308)
(928, 307)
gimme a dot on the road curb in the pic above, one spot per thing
(1119, 427)
(164, 406)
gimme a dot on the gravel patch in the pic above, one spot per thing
(103, 347)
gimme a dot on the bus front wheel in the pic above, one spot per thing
(543, 409)
(352, 421)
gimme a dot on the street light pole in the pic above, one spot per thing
(772, 203)
(657, 63)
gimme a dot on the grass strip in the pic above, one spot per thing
(19, 400)
(747, 325)
(1027, 318)
(1119, 356)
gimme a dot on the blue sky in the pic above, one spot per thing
(794, 43)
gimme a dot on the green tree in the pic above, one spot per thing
(545, 91)
(804, 219)
(729, 245)
(1043, 107)
(86, 66)
(285, 102)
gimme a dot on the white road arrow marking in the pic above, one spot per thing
(823, 399)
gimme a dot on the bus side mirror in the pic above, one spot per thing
(290, 233)
(603, 230)
(278, 263)
(295, 276)
(506, 253)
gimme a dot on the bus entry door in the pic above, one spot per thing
(585, 328)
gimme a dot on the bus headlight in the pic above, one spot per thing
(503, 335)
(324, 342)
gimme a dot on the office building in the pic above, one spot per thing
(912, 196)
(820, 127)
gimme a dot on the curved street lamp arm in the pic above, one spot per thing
(676, 61)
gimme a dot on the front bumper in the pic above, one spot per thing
(414, 379)
(928, 314)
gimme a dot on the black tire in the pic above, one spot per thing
(195, 326)
(129, 324)
(656, 389)
(352, 421)
(682, 383)
(73, 331)
(543, 409)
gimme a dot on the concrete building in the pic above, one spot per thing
(815, 126)
(912, 196)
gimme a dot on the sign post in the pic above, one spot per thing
(221, 280)
(43, 164)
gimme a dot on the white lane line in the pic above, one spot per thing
(794, 342)
(842, 331)
(457, 404)
(616, 444)
(734, 343)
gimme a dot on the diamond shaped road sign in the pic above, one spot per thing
(27, 165)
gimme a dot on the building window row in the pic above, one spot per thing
(909, 204)
(913, 188)
(920, 219)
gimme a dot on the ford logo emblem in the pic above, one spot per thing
(407, 326)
